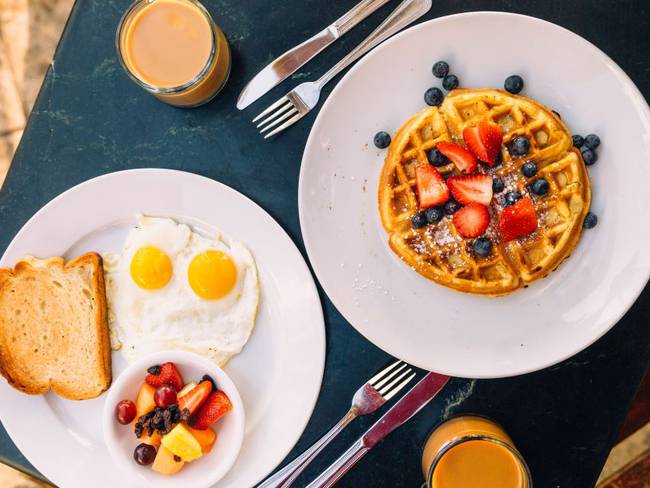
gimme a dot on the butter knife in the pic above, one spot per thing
(410, 404)
(289, 62)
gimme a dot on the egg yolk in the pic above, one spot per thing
(212, 274)
(151, 268)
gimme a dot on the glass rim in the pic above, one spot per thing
(478, 437)
(173, 89)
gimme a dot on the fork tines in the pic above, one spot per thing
(277, 113)
(389, 381)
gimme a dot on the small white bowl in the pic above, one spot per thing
(121, 440)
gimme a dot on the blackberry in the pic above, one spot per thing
(154, 370)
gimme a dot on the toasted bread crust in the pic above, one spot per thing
(93, 375)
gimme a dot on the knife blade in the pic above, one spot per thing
(410, 404)
(289, 62)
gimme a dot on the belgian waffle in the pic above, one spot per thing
(437, 251)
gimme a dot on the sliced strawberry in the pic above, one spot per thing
(196, 397)
(217, 405)
(472, 220)
(471, 188)
(165, 374)
(484, 140)
(432, 190)
(518, 220)
(462, 158)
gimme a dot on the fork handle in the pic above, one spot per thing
(403, 15)
(287, 475)
(342, 465)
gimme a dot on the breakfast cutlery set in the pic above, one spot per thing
(368, 399)
(293, 106)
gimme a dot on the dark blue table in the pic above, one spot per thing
(90, 119)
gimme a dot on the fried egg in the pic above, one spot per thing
(172, 288)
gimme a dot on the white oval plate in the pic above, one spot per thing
(414, 318)
(278, 374)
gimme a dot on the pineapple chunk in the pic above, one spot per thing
(181, 442)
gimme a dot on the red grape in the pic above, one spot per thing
(125, 412)
(144, 454)
(165, 396)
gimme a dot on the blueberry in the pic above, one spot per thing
(529, 169)
(440, 69)
(497, 185)
(433, 96)
(499, 159)
(589, 155)
(482, 246)
(436, 158)
(519, 146)
(433, 214)
(592, 141)
(382, 139)
(514, 84)
(451, 207)
(418, 220)
(591, 219)
(450, 82)
(512, 197)
(578, 140)
(540, 186)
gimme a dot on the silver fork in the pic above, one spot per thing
(298, 102)
(377, 391)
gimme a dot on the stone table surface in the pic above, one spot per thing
(90, 119)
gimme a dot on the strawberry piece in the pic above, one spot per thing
(217, 405)
(518, 220)
(431, 186)
(472, 220)
(196, 397)
(165, 374)
(471, 188)
(484, 140)
(461, 157)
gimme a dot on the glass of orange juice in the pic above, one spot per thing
(473, 452)
(174, 50)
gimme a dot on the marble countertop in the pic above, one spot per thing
(90, 119)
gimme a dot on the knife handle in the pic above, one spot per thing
(342, 465)
(403, 15)
(355, 15)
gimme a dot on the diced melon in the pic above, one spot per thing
(165, 462)
(153, 439)
(145, 402)
(205, 437)
(181, 442)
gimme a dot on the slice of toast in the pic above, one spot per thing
(53, 327)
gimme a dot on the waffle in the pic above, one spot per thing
(437, 251)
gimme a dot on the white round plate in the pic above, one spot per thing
(427, 324)
(278, 374)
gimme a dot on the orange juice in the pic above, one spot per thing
(473, 452)
(173, 49)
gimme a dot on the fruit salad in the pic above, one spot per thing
(172, 419)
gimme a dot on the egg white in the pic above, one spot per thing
(174, 317)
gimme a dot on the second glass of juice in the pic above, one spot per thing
(473, 452)
(174, 50)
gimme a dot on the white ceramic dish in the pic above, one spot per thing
(121, 441)
(422, 322)
(278, 374)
